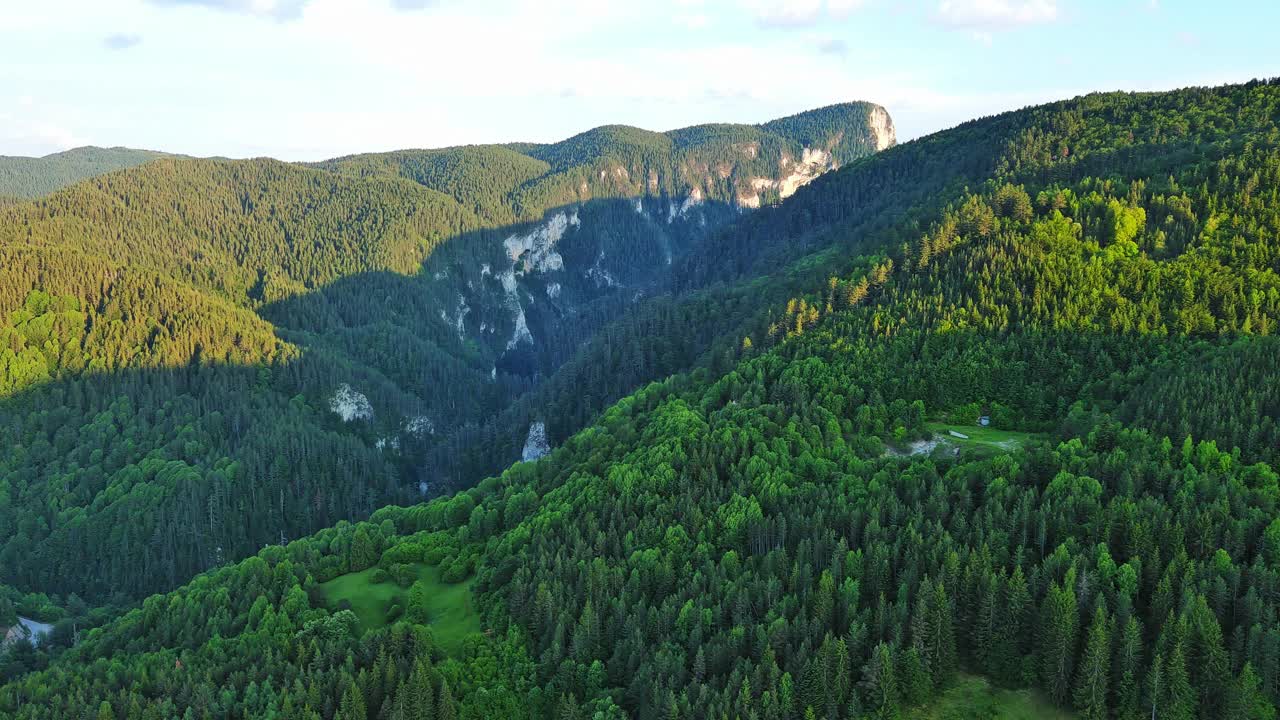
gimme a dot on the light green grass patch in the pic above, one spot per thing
(452, 615)
(982, 436)
(974, 698)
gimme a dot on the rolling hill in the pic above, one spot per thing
(29, 177)
(203, 355)
(750, 536)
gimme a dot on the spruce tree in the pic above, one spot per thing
(352, 706)
(446, 708)
(942, 637)
(1180, 702)
(1058, 639)
(1247, 700)
(1095, 669)
(1127, 666)
(881, 683)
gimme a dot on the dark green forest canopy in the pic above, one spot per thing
(201, 356)
(747, 537)
(28, 177)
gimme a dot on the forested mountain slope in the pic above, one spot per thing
(726, 288)
(201, 356)
(732, 164)
(755, 538)
(30, 177)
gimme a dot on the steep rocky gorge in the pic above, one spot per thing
(621, 206)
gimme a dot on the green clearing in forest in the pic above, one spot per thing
(982, 436)
(453, 616)
(974, 698)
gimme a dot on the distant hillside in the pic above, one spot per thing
(30, 177)
(739, 165)
(278, 346)
(801, 517)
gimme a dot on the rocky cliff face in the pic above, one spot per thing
(881, 126)
(792, 175)
(617, 207)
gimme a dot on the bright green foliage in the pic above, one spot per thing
(975, 697)
(735, 539)
(446, 607)
(172, 336)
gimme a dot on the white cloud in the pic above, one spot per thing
(994, 15)
(833, 46)
(449, 73)
(38, 137)
(842, 8)
(692, 21)
(121, 41)
(792, 13)
(278, 9)
(800, 13)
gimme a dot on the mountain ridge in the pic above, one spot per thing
(770, 533)
(379, 308)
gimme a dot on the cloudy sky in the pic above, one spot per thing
(308, 79)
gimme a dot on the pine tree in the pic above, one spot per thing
(421, 700)
(1127, 666)
(399, 708)
(812, 691)
(942, 636)
(1013, 626)
(786, 696)
(1095, 670)
(1058, 639)
(1247, 700)
(1210, 661)
(568, 708)
(913, 678)
(446, 708)
(1180, 703)
(881, 683)
(352, 707)
(841, 672)
(1156, 686)
(920, 631)
(985, 634)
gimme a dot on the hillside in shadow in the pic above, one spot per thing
(146, 476)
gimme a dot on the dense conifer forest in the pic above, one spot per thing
(200, 356)
(769, 495)
(28, 177)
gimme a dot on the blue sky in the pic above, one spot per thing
(309, 79)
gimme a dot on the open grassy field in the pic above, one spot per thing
(453, 617)
(980, 440)
(982, 436)
(973, 698)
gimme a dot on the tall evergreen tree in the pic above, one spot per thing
(1058, 624)
(1094, 671)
